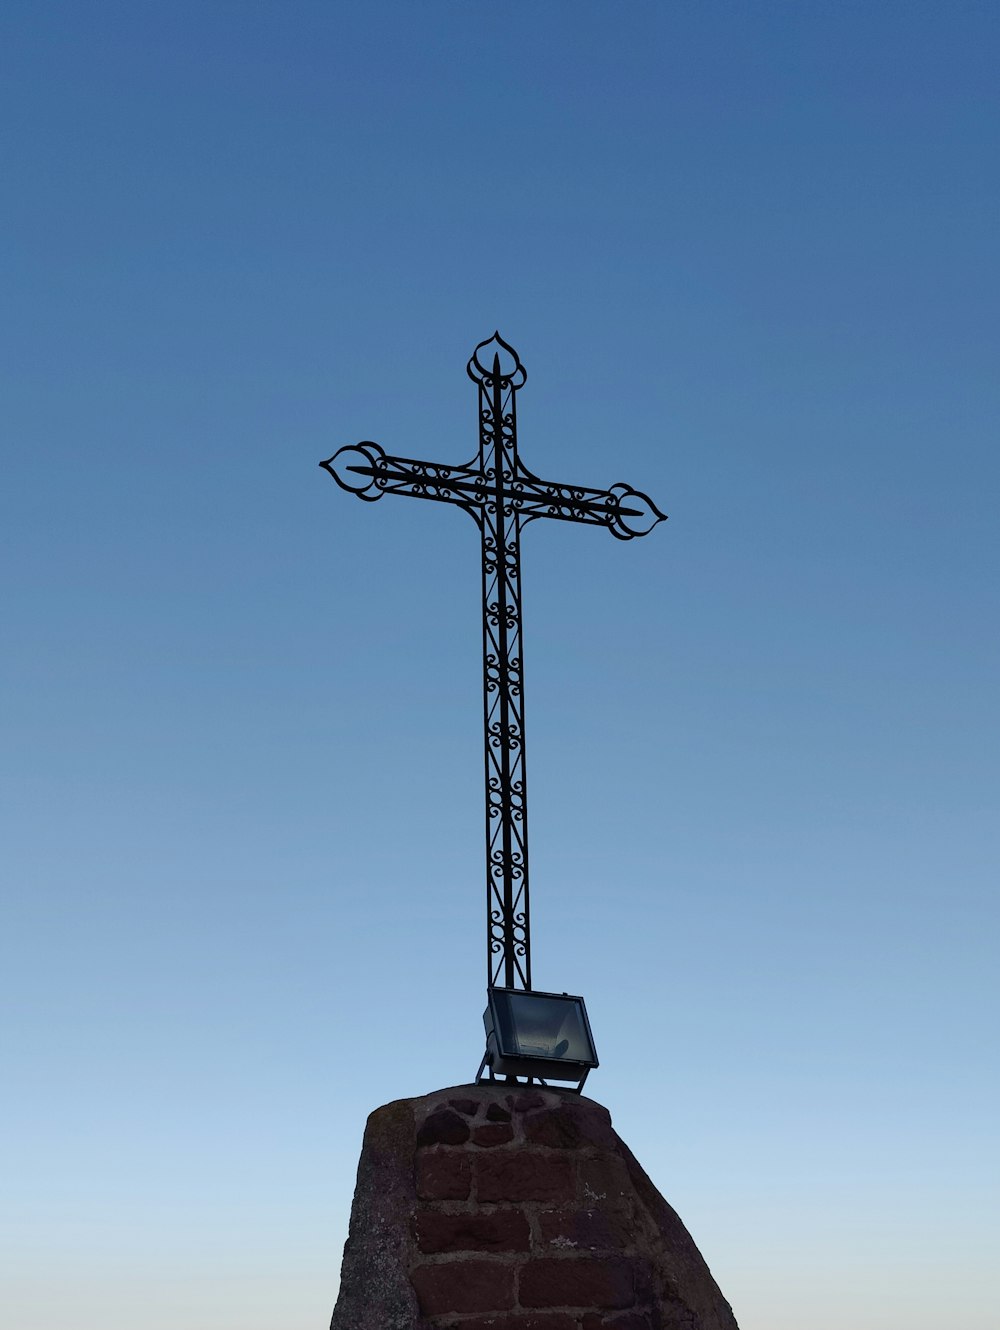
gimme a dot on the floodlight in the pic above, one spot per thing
(543, 1036)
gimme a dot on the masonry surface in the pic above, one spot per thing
(505, 1207)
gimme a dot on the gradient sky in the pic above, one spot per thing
(748, 254)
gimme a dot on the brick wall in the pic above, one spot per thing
(527, 1213)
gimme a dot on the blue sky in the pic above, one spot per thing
(748, 255)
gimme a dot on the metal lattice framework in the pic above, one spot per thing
(501, 495)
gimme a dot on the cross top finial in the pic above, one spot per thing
(496, 359)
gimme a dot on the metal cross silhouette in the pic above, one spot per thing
(501, 495)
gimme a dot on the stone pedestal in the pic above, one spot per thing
(504, 1207)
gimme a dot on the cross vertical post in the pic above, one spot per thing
(507, 898)
(501, 495)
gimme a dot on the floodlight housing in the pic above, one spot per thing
(542, 1036)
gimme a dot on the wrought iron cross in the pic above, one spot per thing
(501, 495)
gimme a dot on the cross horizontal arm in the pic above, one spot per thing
(626, 512)
(368, 471)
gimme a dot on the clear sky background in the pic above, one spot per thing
(748, 254)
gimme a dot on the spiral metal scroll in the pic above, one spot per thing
(501, 494)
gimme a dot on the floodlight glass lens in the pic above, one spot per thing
(548, 1027)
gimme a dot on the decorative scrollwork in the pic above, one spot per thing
(634, 513)
(505, 735)
(355, 468)
(507, 612)
(495, 363)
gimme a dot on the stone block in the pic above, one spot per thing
(523, 1175)
(520, 1321)
(485, 1231)
(445, 1175)
(628, 1321)
(470, 1107)
(493, 1133)
(445, 1127)
(587, 1230)
(601, 1283)
(605, 1183)
(385, 1191)
(568, 1127)
(464, 1286)
(524, 1103)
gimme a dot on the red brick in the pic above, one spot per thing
(520, 1321)
(577, 1281)
(463, 1286)
(493, 1133)
(645, 1280)
(522, 1175)
(524, 1103)
(445, 1175)
(569, 1126)
(470, 1107)
(605, 1183)
(588, 1229)
(499, 1230)
(445, 1127)
(630, 1321)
